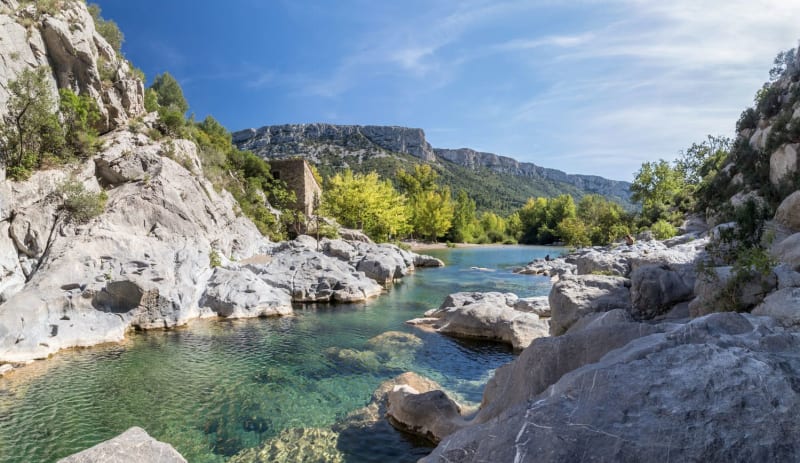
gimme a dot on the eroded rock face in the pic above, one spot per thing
(143, 263)
(313, 277)
(274, 141)
(573, 297)
(132, 446)
(489, 316)
(240, 294)
(69, 44)
(614, 407)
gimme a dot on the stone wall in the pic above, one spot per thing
(298, 177)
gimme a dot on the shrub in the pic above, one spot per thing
(768, 100)
(29, 130)
(748, 120)
(150, 100)
(80, 205)
(80, 115)
(663, 230)
(214, 259)
(169, 93)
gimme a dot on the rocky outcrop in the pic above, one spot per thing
(143, 263)
(310, 276)
(614, 406)
(281, 140)
(132, 446)
(241, 294)
(574, 297)
(70, 46)
(491, 316)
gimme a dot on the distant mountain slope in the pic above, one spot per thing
(497, 183)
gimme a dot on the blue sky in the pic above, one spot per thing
(585, 86)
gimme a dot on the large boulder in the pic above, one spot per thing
(537, 305)
(783, 162)
(432, 415)
(655, 289)
(686, 394)
(788, 251)
(132, 446)
(485, 316)
(573, 297)
(313, 277)
(783, 305)
(788, 213)
(602, 263)
(240, 294)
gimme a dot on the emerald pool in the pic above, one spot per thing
(214, 388)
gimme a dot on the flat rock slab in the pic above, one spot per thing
(132, 446)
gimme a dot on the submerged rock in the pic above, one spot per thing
(132, 446)
(301, 445)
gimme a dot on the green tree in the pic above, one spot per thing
(80, 115)
(169, 93)
(494, 227)
(431, 205)
(365, 201)
(463, 226)
(432, 213)
(605, 221)
(657, 186)
(422, 178)
(573, 232)
(30, 130)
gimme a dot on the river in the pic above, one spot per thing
(214, 388)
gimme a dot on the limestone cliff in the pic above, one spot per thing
(78, 56)
(282, 140)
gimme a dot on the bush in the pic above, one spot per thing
(80, 205)
(748, 120)
(663, 230)
(169, 93)
(214, 259)
(768, 100)
(80, 115)
(29, 131)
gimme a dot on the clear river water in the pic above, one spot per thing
(214, 388)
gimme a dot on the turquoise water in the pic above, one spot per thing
(215, 388)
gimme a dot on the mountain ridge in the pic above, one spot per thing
(319, 141)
